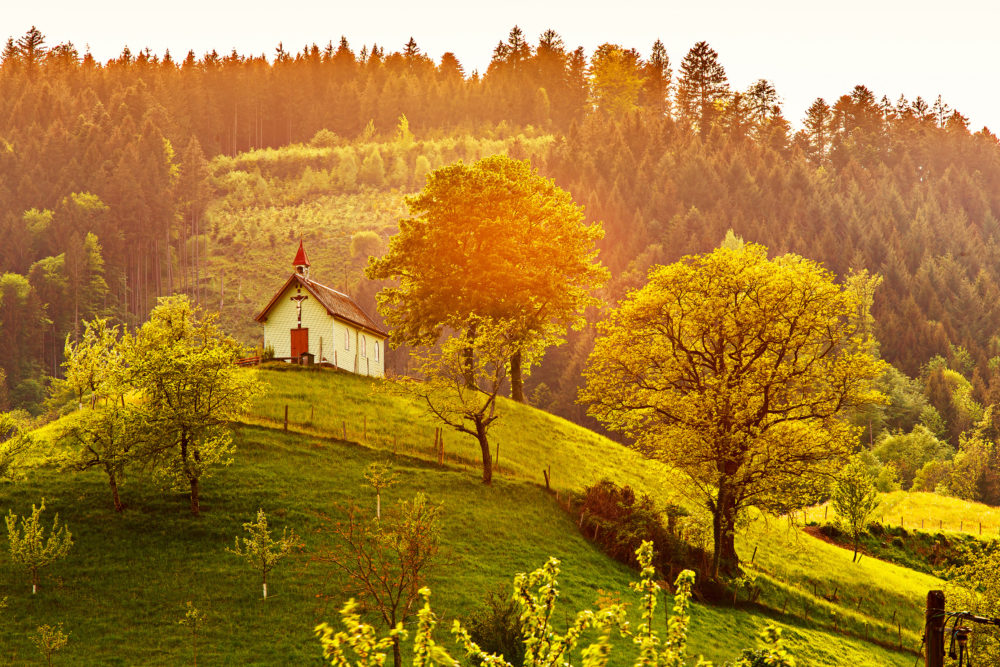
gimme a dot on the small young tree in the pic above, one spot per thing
(28, 547)
(855, 499)
(379, 476)
(14, 444)
(194, 620)
(261, 550)
(463, 377)
(50, 640)
(386, 562)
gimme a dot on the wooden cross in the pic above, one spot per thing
(298, 299)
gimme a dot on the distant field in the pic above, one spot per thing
(930, 512)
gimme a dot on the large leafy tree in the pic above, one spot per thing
(184, 369)
(493, 239)
(737, 369)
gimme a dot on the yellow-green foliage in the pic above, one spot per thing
(261, 551)
(736, 369)
(14, 446)
(50, 640)
(29, 548)
(536, 594)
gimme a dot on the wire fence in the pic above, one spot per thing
(433, 446)
(987, 529)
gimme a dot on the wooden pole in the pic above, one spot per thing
(364, 429)
(933, 629)
(345, 429)
(312, 413)
(286, 417)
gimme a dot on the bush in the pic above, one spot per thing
(324, 139)
(496, 626)
(619, 521)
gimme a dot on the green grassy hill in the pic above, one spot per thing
(126, 582)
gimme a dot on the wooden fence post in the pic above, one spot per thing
(312, 413)
(364, 429)
(286, 417)
(934, 629)
(548, 477)
(345, 429)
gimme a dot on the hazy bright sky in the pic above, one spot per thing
(808, 49)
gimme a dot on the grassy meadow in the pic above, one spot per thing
(123, 589)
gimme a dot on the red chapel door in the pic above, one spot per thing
(300, 342)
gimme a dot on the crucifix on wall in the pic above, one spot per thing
(298, 299)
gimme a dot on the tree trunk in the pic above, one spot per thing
(195, 507)
(516, 380)
(484, 446)
(113, 483)
(854, 558)
(724, 558)
(470, 359)
(397, 655)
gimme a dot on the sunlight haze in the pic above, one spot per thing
(807, 50)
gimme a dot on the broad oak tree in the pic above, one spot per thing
(493, 239)
(737, 370)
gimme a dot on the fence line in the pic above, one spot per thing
(969, 527)
(436, 452)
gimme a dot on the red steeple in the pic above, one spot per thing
(300, 256)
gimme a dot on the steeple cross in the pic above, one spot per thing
(298, 299)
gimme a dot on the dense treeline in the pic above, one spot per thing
(105, 177)
(894, 189)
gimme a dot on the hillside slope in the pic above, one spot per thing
(125, 584)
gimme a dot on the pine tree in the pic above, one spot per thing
(657, 77)
(702, 85)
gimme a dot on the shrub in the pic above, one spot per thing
(619, 521)
(324, 139)
(496, 626)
